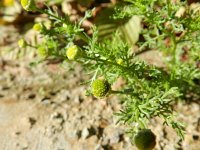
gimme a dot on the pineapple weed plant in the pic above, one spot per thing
(150, 91)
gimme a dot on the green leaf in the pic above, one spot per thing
(128, 28)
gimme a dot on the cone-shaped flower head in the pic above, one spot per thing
(145, 139)
(37, 27)
(42, 52)
(22, 43)
(100, 88)
(73, 52)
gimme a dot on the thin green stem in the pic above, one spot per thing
(124, 92)
(80, 34)
(105, 61)
(83, 37)
(174, 48)
(51, 15)
(169, 7)
(31, 46)
(116, 92)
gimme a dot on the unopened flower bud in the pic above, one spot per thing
(73, 52)
(100, 88)
(22, 43)
(37, 27)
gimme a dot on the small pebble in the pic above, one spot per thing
(85, 133)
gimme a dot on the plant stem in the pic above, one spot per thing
(105, 61)
(125, 92)
(142, 51)
(80, 34)
(169, 8)
(31, 46)
(174, 48)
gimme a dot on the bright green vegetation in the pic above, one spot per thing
(150, 90)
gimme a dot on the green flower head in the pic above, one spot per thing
(120, 61)
(22, 43)
(100, 88)
(145, 139)
(42, 52)
(37, 27)
(73, 52)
